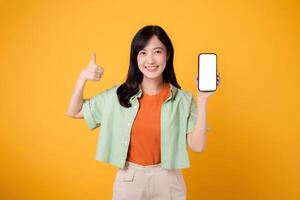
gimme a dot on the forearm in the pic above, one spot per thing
(76, 101)
(200, 130)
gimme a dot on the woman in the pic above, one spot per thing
(146, 122)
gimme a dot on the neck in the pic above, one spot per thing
(152, 86)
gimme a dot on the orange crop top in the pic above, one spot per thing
(144, 147)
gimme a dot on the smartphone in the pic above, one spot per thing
(207, 72)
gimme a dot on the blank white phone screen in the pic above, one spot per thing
(207, 72)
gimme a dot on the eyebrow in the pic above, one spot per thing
(154, 48)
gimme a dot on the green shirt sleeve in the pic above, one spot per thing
(192, 115)
(93, 110)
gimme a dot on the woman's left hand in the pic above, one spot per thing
(205, 95)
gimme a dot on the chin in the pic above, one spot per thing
(151, 76)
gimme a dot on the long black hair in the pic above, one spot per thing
(134, 76)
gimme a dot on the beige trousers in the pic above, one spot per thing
(151, 182)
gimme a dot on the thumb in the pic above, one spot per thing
(93, 57)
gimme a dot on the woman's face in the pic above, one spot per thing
(152, 59)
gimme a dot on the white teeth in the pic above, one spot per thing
(151, 67)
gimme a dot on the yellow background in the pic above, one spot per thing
(253, 148)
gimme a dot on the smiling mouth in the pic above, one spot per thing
(151, 67)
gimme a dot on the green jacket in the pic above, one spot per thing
(178, 117)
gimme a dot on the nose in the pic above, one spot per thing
(150, 60)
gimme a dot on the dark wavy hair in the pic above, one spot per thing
(134, 76)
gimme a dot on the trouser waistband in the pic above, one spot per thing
(136, 166)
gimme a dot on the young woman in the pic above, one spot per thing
(146, 122)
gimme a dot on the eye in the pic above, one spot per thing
(157, 51)
(142, 53)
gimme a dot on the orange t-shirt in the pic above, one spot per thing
(144, 148)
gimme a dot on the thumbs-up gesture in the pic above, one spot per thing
(93, 71)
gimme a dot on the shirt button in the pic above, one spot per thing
(129, 124)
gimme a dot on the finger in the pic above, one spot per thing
(93, 57)
(98, 70)
(96, 76)
(93, 69)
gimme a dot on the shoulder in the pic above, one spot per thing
(184, 95)
(107, 93)
(185, 101)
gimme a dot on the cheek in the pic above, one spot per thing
(162, 58)
(139, 60)
(140, 64)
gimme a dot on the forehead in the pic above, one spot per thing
(154, 43)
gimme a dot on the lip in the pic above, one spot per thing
(154, 66)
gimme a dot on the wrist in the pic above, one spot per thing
(202, 99)
(82, 78)
(201, 103)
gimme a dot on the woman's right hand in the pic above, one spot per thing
(93, 71)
